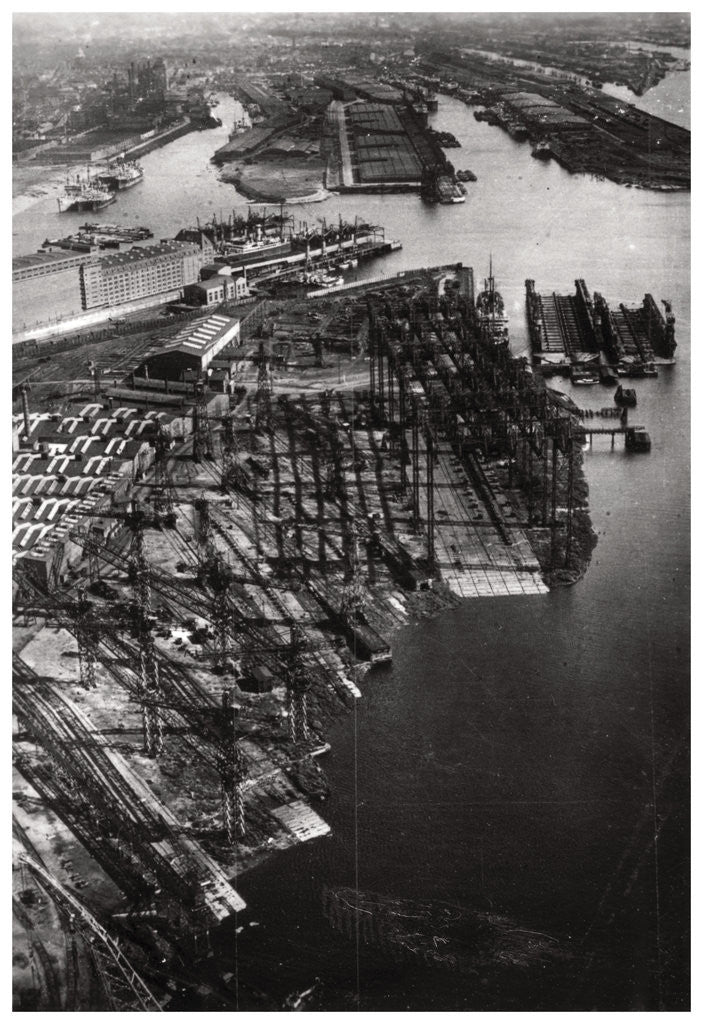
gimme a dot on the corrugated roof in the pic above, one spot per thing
(199, 337)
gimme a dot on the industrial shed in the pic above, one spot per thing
(193, 348)
(217, 288)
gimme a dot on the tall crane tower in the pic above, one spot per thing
(232, 769)
(202, 434)
(230, 451)
(86, 648)
(298, 686)
(163, 493)
(264, 391)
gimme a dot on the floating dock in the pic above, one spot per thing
(587, 339)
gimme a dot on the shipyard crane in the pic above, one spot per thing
(163, 496)
(232, 771)
(298, 683)
(229, 475)
(123, 987)
(264, 392)
(202, 434)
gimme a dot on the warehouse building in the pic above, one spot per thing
(143, 271)
(217, 287)
(67, 467)
(192, 350)
(49, 287)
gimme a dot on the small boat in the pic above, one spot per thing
(625, 396)
(637, 440)
(542, 151)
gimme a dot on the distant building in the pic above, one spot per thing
(339, 89)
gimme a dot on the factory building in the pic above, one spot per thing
(192, 350)
(221, 287)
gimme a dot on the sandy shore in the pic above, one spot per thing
(33, 182)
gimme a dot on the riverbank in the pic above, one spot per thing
(37, 180)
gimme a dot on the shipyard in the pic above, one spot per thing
(327, 476)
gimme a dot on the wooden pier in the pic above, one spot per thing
(612, 431)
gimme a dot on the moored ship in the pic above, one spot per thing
(120, 175)
(490, 307)
(85, 196)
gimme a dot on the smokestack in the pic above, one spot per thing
(25, 410)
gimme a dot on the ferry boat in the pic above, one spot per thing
(120, 175)
(492, 317)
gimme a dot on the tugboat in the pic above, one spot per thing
(491, 310)
(625, 396)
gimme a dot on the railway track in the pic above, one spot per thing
(141, 839)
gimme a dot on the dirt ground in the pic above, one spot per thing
(274, 180)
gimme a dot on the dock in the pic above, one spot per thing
(577, 334)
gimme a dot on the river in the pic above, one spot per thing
(526, 756)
